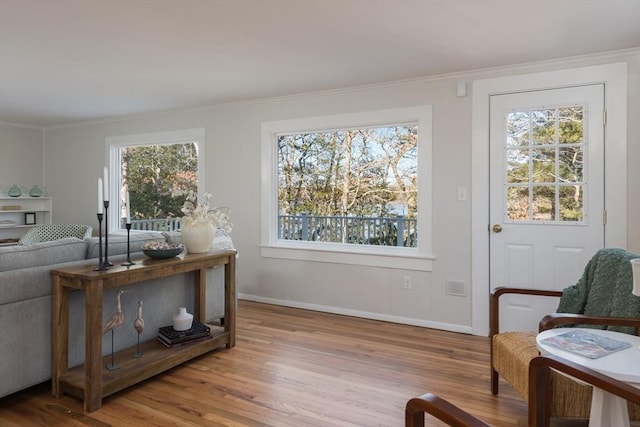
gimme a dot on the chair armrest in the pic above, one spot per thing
(539, 385)
(555, 319)
(439, 408)
(494, 306)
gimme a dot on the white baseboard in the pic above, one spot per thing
(357, 313)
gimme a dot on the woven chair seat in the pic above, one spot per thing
(512, 352)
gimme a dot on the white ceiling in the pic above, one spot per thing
(64, 61)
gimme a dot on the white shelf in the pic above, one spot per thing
(24, 198)
(23, 211)
(40, 206)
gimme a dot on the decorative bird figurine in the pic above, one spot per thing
(138, 325)
(115, 320)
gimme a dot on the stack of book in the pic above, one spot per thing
(172, 338)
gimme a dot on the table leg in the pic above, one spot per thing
(200, 308)
(93, 347)
(59, 335)
(608, 410)
(230, 300)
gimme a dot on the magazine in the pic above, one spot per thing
(586, 344)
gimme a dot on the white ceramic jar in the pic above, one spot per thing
(183, 320)
(198, 238)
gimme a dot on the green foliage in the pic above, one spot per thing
(358, 172)
(544, 149)
(154, 174)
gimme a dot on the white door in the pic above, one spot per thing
(546, 194)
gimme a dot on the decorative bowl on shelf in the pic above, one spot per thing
(161, 249)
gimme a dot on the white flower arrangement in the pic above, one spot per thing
(200, 213)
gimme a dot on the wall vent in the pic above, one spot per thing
(456, 288)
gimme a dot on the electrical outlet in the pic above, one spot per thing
(407, 282)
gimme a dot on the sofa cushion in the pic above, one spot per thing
(118, 243)
(29, 283)
(44, 253)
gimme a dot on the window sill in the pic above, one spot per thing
(384, 257)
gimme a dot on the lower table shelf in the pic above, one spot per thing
(156, 358)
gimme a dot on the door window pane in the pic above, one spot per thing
(518, 166)
(518, 203)
(544, 203)
(544, 154)
(571, 206)
(570, 164)
(544, 165)
(570, 125)
(518, 127)
(543, 126)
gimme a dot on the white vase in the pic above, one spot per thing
(198, 238)
(183, 320)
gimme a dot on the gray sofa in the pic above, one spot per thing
(25, 303)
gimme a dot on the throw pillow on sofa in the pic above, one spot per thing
(48, 232)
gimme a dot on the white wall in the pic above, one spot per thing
(21, 154)
(75, 155)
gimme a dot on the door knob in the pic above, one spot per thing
(497, 228)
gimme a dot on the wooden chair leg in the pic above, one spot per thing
(414, 419)
(494, 381)
(539, 394)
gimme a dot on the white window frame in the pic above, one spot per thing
(420, 258)
(113, 145)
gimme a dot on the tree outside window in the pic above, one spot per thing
(158, 178)
(356, 186)
(545, 173)
(158, 170)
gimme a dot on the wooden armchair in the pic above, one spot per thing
(441, 409)
(540, 372)
(601, 298)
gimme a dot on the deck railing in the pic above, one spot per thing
(380, 231)
(164, 224)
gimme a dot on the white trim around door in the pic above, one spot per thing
(614, 77)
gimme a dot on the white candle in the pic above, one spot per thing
(106, 184)
(100, 195)
(128, 210)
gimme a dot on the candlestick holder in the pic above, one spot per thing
(128, 262)
(106, 234)
(101, 265)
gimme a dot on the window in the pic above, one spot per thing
(158, 171)
(545, 151)
(349, 188)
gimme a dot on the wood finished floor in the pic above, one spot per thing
(299, 368)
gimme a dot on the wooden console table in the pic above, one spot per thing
(92, 381)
